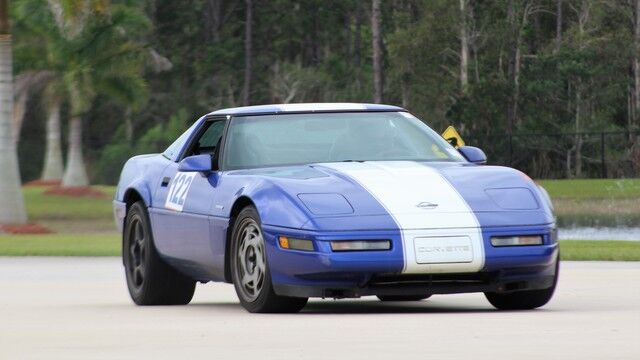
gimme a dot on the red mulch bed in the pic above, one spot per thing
(24, 229)
(43, 183)
(79, 191)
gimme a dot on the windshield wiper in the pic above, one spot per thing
(350, 160)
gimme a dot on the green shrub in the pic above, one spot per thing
(155, 140)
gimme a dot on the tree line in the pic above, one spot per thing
(100, 80)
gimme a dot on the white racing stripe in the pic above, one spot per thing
(400, 187)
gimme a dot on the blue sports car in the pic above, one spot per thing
(326, 200)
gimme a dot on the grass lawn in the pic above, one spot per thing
(595, 202)
(609, 250)
(592, 188)
(64, 214)
(60, 245)
(52, 207)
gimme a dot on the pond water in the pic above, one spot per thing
(600, 233)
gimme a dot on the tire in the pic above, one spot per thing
(403, 297)
(250, 271)
(149, 279)
(524, 300)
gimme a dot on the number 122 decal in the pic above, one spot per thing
(178, 190)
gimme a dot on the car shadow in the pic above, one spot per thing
(391, 307)
(365, 307)
(328, 307)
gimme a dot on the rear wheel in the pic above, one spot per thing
(250, 270)
(149, 279)
(403, 297)
(524, 300)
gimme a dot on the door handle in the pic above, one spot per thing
(165, 181)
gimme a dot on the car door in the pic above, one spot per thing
(182, 206)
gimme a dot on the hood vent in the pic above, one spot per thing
(515, 198)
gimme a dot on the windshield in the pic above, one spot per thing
(288, 139)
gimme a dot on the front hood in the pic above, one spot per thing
(411, 195)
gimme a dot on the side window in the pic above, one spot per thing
(207, 142)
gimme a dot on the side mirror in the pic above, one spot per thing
(473, 154)
(196, 163)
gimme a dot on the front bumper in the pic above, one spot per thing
(119, 213)
(424, 284)
(323, 273)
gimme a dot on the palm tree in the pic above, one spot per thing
(34, 76)
(12, 210)
(25, 85)
(92, 49)
(53, 168)
(100, 56)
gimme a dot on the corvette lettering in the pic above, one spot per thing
(441, 249)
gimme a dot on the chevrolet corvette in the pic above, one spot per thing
(331, 200)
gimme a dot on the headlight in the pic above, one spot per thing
(295, 244)
(516, 240)
(360, 245)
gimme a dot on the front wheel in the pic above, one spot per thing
(524, 300)
(250, 269)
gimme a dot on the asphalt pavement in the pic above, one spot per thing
(78, 308)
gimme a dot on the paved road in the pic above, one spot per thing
(78, 308)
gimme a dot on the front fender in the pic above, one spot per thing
(137, 175)
(142, 188)
(276, 206)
